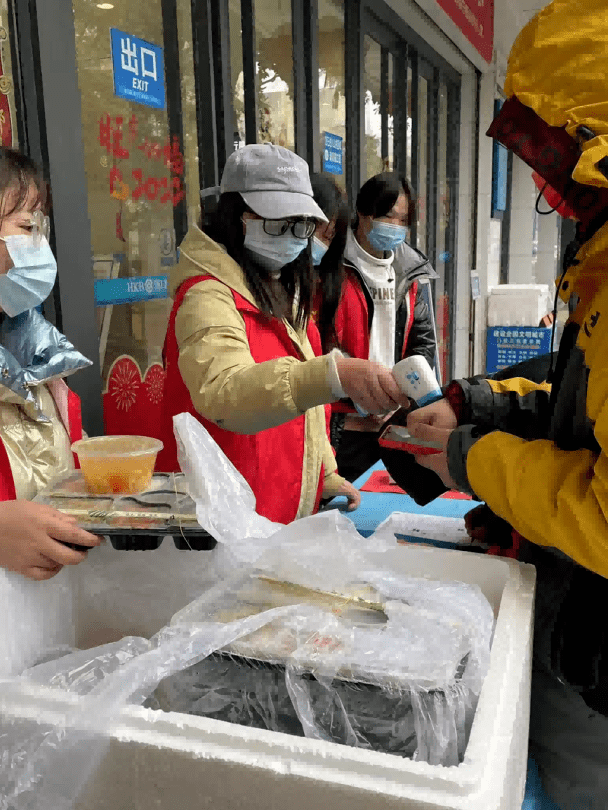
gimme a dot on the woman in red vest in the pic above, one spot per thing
(39, 416)
(382, 314)
(242, 354)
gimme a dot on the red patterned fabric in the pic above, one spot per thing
(132, 402)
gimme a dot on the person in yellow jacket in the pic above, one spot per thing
(39, 416)
(242, 353)
(537, 454)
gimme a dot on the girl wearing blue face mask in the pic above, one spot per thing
(382, 315)
(243, 355)
(39, 416)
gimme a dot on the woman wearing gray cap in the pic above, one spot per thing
(242, 353)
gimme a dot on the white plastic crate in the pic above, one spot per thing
(169, 761)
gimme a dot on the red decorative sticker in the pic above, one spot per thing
(6, 87)
(131, 400)
(141, 184)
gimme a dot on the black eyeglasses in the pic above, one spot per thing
(300, 228)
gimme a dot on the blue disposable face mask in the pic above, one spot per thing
(318, 250)
(30, 281)
(273, 252)
(385, 237)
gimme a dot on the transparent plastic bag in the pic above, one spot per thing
(79, 673)
(407, 683)
(403, 680)
(45, 766)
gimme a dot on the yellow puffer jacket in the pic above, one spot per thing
(551, 495)
(557, 66)
(224, 381)
(538, 454)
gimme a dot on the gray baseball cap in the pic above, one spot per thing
(273, 181)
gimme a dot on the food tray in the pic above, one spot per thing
(273, 645)
(133, 522)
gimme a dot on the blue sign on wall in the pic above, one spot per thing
(332, 154)
(500, 171)
(139, 70)
(508, 345)
(129, 290)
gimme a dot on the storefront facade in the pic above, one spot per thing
(133, 107)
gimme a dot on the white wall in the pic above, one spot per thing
(523, 199)
(464, 259)
(483, 264)
(548, 250)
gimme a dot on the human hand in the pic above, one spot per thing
(438, 415)
(370, 385)
(32, 538)
(352, 495)
(437, 462)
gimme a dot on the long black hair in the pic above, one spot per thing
(18, 173)
(225, 227)
(332, 201)
(379, 194)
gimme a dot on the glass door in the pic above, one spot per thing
(136, 180)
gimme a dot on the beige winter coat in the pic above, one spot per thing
(225, 382)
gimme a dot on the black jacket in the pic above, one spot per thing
(409, 265)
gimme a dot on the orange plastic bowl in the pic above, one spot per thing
(118, 465)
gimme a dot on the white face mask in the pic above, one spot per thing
(318, 250)
(273, 252)
(30, 281)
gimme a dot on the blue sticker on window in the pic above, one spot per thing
(139, 70)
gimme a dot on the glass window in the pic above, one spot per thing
(388, 162)
(274, 72)
(422, 206)
(332, 101)
(186, 65)
(372, 111)
(135, 178)
(236, 71)
(8, 124)
(408, 134)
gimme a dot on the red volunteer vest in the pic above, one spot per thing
(272, 460)
(7, 483)
(351, 325)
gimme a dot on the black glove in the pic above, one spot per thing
(485, 527)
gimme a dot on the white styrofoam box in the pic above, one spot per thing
(35, 616)
(518, 304)
(172, 761)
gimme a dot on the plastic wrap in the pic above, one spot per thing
(45, 766)
(360, 656)
(400, 676)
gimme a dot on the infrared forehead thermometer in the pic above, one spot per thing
(416, 379)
